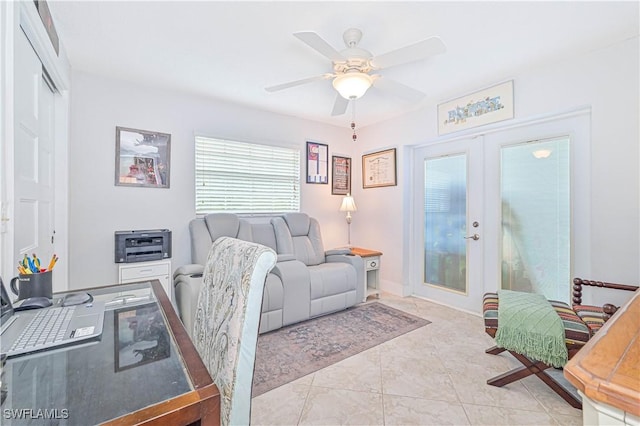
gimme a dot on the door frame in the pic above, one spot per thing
(23, 16)
(576, 123)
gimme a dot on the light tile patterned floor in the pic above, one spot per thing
(435, 375)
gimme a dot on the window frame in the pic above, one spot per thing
(285, 177)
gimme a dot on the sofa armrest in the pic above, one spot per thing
(357, 262)
(285, 257)
(187, 281)
(346, 251)
(190, 269)
(296, 283)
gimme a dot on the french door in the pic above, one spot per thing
(495, 211)
(449, 177)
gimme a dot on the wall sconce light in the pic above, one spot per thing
(348, 205)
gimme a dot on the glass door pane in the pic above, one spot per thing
(535, 194)
(445, 252)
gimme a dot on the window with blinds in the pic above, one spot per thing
(240, 177)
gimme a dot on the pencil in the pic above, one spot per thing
(52, 262)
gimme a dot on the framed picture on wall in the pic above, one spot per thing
(379, 169)
(142, 158)
(476, 109)
(340, 175)
(317, 163)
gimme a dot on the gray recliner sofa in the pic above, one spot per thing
(306, 282)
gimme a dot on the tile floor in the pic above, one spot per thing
(435, 375)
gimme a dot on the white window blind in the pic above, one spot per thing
(240, 177)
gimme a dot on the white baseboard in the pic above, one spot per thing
(448, 306)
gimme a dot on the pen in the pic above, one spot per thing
(36, 261)
(32, 267)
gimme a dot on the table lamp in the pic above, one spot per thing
(348, 205)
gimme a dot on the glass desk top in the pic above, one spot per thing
(135, 364)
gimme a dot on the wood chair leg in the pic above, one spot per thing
(495, 350)
(529, 368)
(510, 377)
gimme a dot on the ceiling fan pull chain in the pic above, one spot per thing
(353, 119)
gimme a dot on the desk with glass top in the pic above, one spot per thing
(144, 369)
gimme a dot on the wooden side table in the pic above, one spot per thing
(372, 269)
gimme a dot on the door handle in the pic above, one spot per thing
(474, 237)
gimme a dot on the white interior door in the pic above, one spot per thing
(33, 156)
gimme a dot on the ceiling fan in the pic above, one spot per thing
(352, 67)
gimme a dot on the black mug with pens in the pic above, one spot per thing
(33, 281)
(33, 285)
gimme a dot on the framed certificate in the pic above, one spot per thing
(379, 169)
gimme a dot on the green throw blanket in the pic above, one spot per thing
(528, 325)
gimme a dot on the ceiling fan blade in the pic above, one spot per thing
(414, 52)
(340, 106)
(398, 89)
(316, 42)
(298, 82)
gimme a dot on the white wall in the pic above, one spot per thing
(607, 81)
(98, 207)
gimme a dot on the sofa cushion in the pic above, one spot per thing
(593, 316)
(204, 231)
(306, 238)
(200, 241)
(298, 223)
(262, 233)
(273, 297)
(331, 278)
(227, 225)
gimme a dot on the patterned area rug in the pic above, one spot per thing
(292, 352)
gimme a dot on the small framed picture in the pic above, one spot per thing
(142, 158)
(379, 169)
(317, 163)
(340, 175)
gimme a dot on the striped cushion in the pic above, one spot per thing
(593, 316)
(575, 330)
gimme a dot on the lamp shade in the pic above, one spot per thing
(348, 204)
(352, 85)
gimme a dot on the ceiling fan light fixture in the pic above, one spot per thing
(352, 85)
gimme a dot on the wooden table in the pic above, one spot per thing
(607, 369)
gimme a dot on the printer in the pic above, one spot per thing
(142, 246)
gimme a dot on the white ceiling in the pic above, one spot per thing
(233, 50)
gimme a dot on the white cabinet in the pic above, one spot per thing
(371, 260)
(144, 271)
(372, 268)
